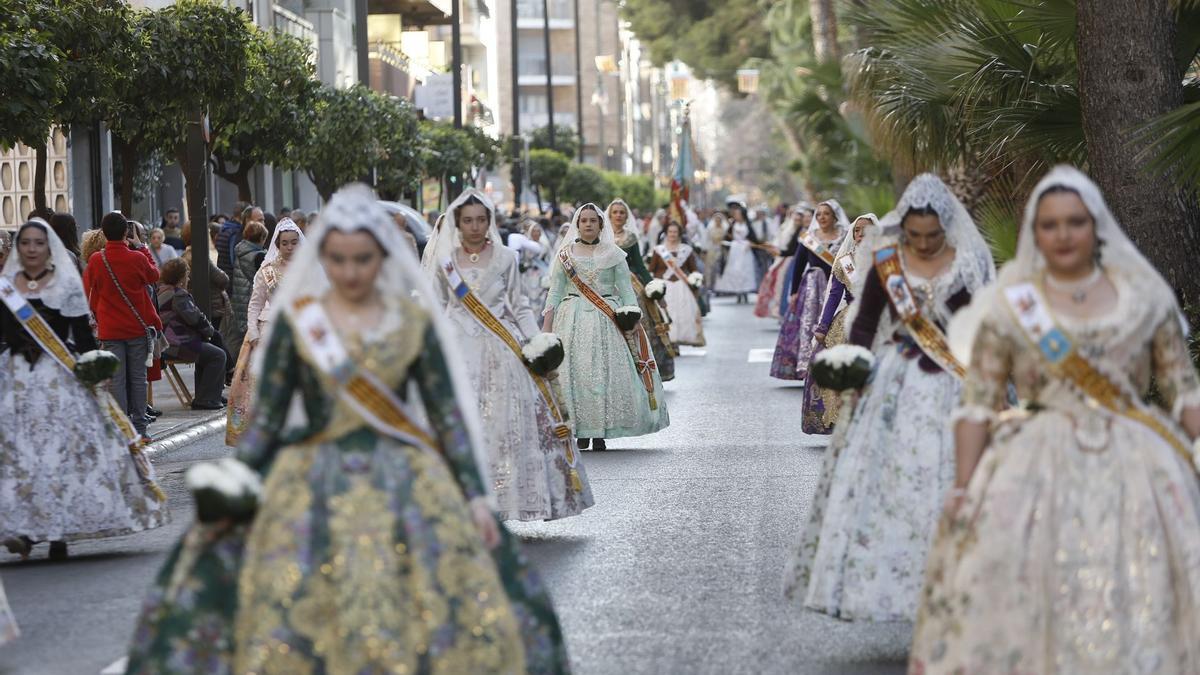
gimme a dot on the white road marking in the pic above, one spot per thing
(116, 667)
(761, 355)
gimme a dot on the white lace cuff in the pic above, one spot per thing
(972, 413)
(1187, 399)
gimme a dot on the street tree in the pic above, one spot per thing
(584, 183)
(566, 140)
(488, 152)
(449, 156)
(714, 37)
(261, 120)
(346, 141)
(637, 191)
(31, 69)
(546, 171)
(402, 161)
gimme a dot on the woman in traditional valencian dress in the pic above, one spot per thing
(536, 474)
(286, 240)
(369, 549)
(66, 468)
(739, 277)
(1071, 539)
(822, 406)
(772, 300)
(861, 555)
(809, 276)
(718, 226)
(609, 376)
(655, 320)
(674, 262)
(533, 248)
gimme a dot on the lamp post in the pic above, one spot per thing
(516, 108)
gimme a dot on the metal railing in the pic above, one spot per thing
(534, 66)
(532, 9)
(286, 21)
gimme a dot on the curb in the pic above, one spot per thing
(188, 432)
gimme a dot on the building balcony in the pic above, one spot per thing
(414, 12)
(530, 14)
(290, 23)
(391, 71)
(531, 72)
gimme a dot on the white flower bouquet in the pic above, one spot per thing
(628, 317)
(96, 366)
(224, 489)
(656, 289)
(695, 279)
(843, 367)
(544, 353)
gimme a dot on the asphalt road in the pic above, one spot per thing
(677, 569)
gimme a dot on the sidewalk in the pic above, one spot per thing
(179, 423)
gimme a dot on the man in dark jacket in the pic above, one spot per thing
(231, 234)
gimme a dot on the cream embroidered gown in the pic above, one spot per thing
(1077, 549)
(529, 470)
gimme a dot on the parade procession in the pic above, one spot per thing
(823, 337)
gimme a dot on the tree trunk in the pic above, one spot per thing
(39, 176)
(1127, 76)
(240, 177)
(824, 20)
(129, 160)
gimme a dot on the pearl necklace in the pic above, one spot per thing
(1078, 289)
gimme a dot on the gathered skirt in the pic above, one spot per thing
(687, 326)
(65, 472)
(530, 472)
(241, 393)
(658, 328)
(861, 555)
(740, 275)
(766, 303)
(363, 557)
(1067, 560)
(822, 406)
(606, 397)
(793, 347)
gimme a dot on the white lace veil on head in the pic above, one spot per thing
(64, 292)
(445, 237)
(848, 244)
(355, 208)
(607, 252)
(284, 225)
(838, 212)
(629, 219)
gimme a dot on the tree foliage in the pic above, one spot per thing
(261, 119)
(345, 141)
(449, 153)
(31, 69)
(637, 191)
(566, 140)
(546, 170)
(713, 37)
(584, 183)
(402, 162)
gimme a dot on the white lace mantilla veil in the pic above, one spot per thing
(848, 244)
(284, 225)
(1118, 255)
(445, 237)
(788, 226)
(64, 292)
(355, 208)
(607, 252)
(838, 212)
(628, 219)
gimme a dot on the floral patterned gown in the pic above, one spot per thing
(822, 406)
(363, 556)
(861, 555)
(655, 323)
(530, 474)
(809, 279)
(1077, 549)
(605, 394)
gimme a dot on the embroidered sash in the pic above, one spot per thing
(1053, 343)
(672, 261)
(849, 272)
(41, 332)
(925, 333)
(643, 357)
(467, 298)
(373, 400)
(659, 316)
(810, 242)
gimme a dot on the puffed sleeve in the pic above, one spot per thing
(870, 308)
(1174, 372)
(624, 284)
(558, 287)
(276, 385)
(522, 312)
(985, 386)
(433, 381)
(258, 300)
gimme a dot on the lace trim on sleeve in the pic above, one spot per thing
(972, 413)
(1187, 399)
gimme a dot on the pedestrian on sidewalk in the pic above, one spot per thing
(116, 282)
(369, 548)
(191, 336)
(287, 239)
(66, 473)
(248, 257)
(161, 250)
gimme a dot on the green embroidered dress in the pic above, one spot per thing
(654, 321)
(363, 556)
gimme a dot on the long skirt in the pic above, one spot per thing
(65, 472)
(794, 348)
(861, 555)
(606, 395)
(363, 558)
(241, 393)
(822, 406)
(687, 326)
(740, 275)
(1065, 559)
(658, 328)
(766, 303)
(8, 625)
(530, 473)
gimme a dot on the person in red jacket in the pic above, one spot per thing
(115, 282)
